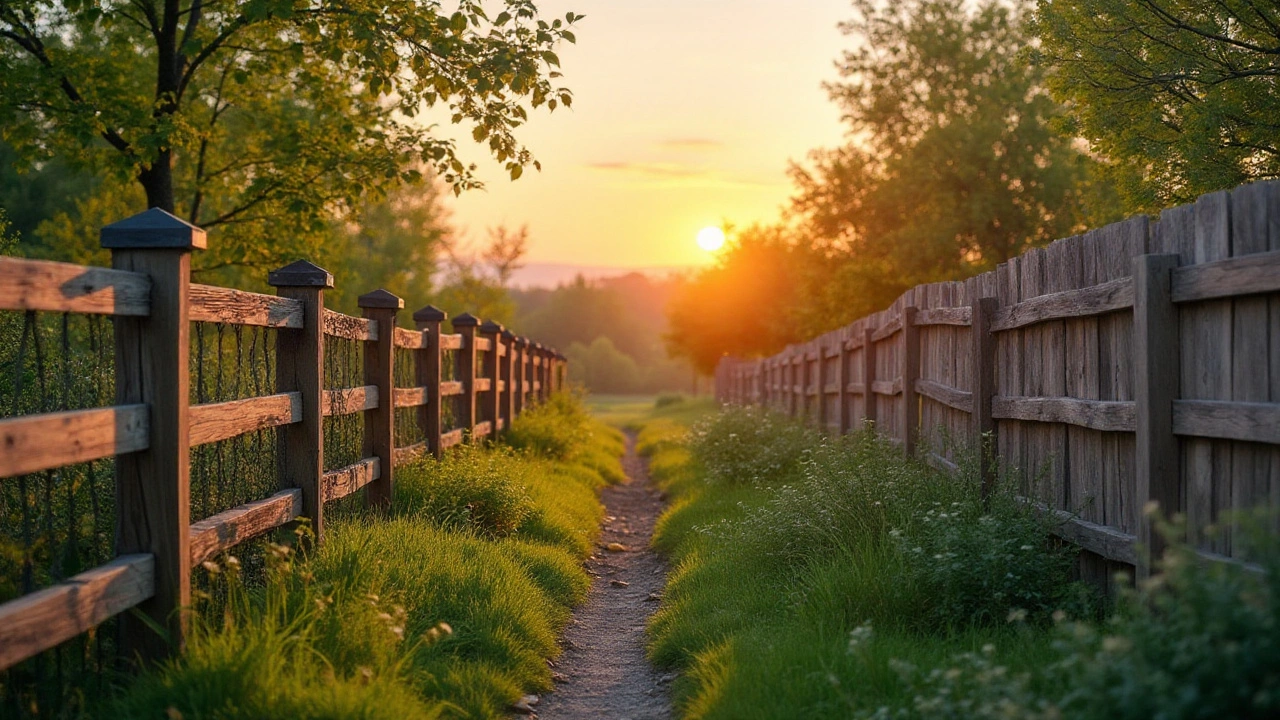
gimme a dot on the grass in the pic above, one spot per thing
(449, 607)
(635, 411)
(833, 578)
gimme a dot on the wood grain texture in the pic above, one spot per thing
(349, 328)
(483, 344)
(957, 316)
(344, 481)
(1109, 416)
(888, 329)
(1245, 421)
(412, 397)
(43, 619)
(300, 369)
(62, 287)
(483, 385)
(227, 529)
(27, 443)
(1108, 297)
(410, 453)
(410, 339)
(237, 307)
(380, 420)
(451, 438)
(218, 421)
(1250, 274)
(451, 342)
(350, 400)
(949, 396)
(482, 429)
(887, 387)
(450, 388)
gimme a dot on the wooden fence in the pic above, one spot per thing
(153, 425)
(1133, 364)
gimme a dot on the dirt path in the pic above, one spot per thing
(603, 672)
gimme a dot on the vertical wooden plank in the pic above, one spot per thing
(869, 403)
(151, 365)
(820, 380)
(380, 306)
(983, 346)
(1155, 353)
(1273, 353)
(428, 374)
(843, 411)
(1206, 375)
(1009, 367)
(300, 369)
(1033, 435)
(492, 402)
(910, 373)
(1085, 445)
(1062, 262)
(1250, 367)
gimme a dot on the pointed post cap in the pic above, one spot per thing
(430, 313)
(154, 228)
(490, 327)
(380, 299)
(537, 346)
(300, 273)
(508, 336)
(465, 320)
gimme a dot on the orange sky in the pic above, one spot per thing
(685, 114)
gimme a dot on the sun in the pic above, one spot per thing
(711, 238)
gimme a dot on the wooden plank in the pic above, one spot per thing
(410, 453)
(344, 481)
(1106, 541)
(945, 394)
(380, 307)
(910, 373)
(940, 463)
(1009, 360)
(450, 342)
(428, 367)
(41, 620)
(350, 400)
(870, 404)
(41, 442)
(411, 397)
(482, 429)
(957, 316)
(451, 438)
(212, 422)
(349, 328)
(232, 527)
(410, 339)
(1085, 493)
(888, 329)
(1108, 416)
(451, 388)
(983, 367)
(467, 368)
(1252, 274)
(483, 344)
(887, 387)
(1108, 297)
(1061, 268)
(62, 287)
(210, 303)
(483, 384)
(1257, 422)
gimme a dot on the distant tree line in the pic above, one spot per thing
(978, 130)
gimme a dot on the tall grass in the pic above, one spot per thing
(448, 607)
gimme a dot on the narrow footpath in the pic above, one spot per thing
(603, 672)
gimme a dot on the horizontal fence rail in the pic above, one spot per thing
(151, 430)
(1133, 364)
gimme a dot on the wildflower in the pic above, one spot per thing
(211, 566)
(859, 636)
(1017, 615)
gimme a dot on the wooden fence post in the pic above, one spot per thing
(300, 369)
(540, 371)
(519, 370)
(508, 401)
(1156, 369)
(465, 325)
(983, 346)
(428, 374)
(493, 399)
(380, 306)
(868, 375)
(843, 411)
(820, 380)
(153, 485)
(910, 373)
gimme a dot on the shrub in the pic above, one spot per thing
(668, 399)
(556, 429)
(470, 487)
(751, 445)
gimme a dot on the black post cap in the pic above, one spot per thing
(490, 327)
(300, 273)
(380, 299)
(154, 228)
(466, 320)
(430, 313)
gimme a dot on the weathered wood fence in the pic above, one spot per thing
(1133, 364)
(153, 426)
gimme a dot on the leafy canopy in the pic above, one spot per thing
(237, 114)
(1181, 95)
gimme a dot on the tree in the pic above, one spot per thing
(1181, 95)
(235, 114)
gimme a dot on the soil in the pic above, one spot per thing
(603, 672)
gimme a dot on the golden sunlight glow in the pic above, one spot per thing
(710, 239)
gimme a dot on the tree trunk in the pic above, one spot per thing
(157, 182)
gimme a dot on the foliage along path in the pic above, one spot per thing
(603, 672)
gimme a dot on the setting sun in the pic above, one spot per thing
(710, 239)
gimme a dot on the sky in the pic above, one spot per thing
(685, 114)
